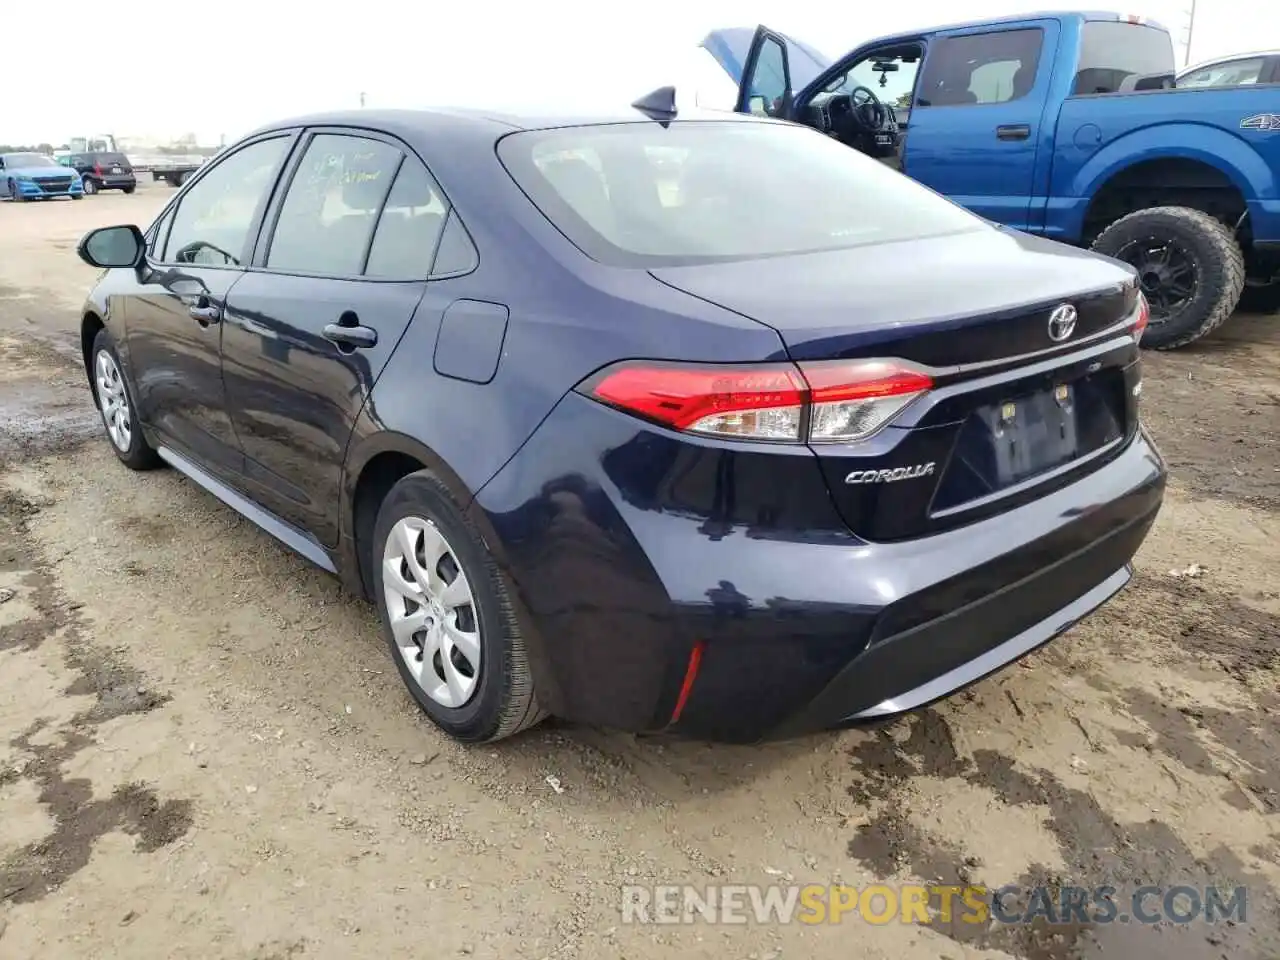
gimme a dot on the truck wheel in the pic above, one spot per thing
(180, 179)
(1189, 265)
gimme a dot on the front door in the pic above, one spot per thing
(309, 329)
(978, 118)
(768, 67)
(174, 315)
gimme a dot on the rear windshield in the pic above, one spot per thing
(639, 194)
(1112, 51)
(116, 159)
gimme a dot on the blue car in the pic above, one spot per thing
(648, 421)
(33, 176)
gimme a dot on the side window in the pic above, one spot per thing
(457, 254)
(1114, 54)
(212, 223)
(768, 79)
(981, 68)
(334, 198)
(1232, 74)
(409, 227)
(890, 74)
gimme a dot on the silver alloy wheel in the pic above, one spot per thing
(89, 186)
(114, 402)
(432, 611)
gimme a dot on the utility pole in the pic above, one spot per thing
(362, 94)
(1191, 26)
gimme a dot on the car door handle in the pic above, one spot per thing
(204, 313)
(1013, 131)
(349, 335)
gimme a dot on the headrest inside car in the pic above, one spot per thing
(412, 189)
(363, 188)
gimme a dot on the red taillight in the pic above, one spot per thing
(840, 400)
(1142, 317)
(97, 168)
(760, 402)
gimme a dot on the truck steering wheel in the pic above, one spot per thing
(868, 112)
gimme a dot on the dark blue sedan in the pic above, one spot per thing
(699, 424)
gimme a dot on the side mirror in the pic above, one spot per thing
(756, 107)
(113, 247)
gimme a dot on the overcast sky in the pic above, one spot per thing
(225, 67)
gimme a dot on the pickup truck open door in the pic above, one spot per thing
(769, 67)
(977, 111)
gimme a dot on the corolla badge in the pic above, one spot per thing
(1261, 121)
(893, 475)
(1062, 322)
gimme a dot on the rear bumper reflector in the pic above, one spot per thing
(690, 675)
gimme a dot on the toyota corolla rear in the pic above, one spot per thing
(938, 469)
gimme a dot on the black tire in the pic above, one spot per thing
(128, 189)
(1216, 260)
(14, 194)
(90, 186)
(77, 196)
(1261, 299)
(504, 701)
(138, 454)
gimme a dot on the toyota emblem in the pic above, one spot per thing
(1062, 322)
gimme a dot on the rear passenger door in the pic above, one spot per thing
(340, 268)
(978, 119)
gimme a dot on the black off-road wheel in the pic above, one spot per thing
(1190, 268)
(448, 617)
(114, 396)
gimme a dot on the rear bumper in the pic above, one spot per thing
(938, 658)
(117, 182)
(799, 625)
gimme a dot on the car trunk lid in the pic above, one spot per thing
(1021, 400)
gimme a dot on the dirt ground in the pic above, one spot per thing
(205, 750)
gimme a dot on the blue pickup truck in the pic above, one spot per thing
(1067, 125)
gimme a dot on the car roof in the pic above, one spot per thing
(1106, 15)
(461, 125)
(1248, 55)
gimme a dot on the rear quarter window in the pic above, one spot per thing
(644, 195)
(1113, 51)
